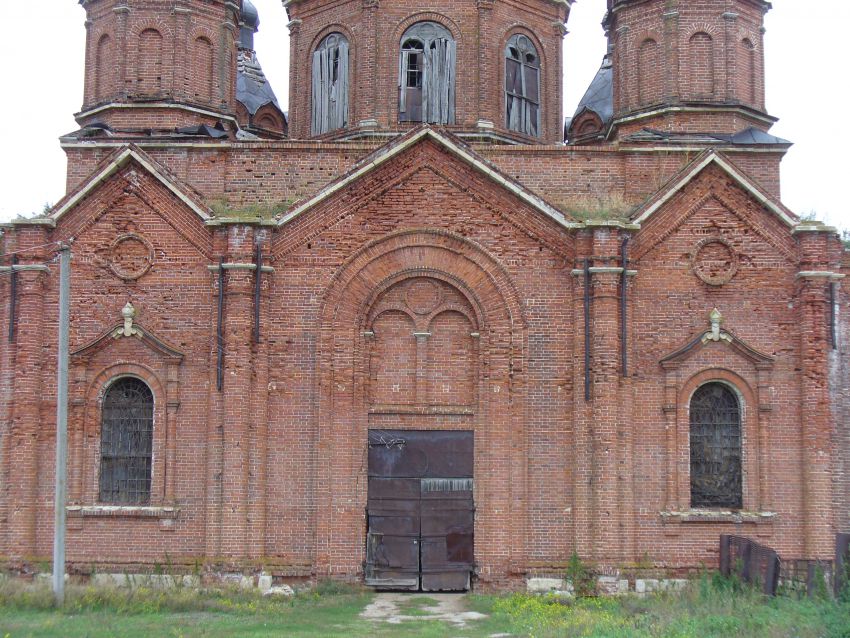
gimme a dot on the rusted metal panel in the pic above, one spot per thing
(842, 563)
(420, 510)
(750, 561)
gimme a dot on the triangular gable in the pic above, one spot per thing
(119, 330)
(715, 334)
(112, 165)
(456, 148)
(690, 172)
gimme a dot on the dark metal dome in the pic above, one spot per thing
(250, 15)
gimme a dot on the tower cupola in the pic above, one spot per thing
(160, 64)
(687, 66)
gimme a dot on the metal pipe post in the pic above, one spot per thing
(61, 426)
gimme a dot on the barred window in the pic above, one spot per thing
(715, 447)
(522, 86)
(126, 441)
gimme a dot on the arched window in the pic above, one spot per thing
(149, 62)
(330, 84)
(427, 75)
(126, 443)
(522, 86)
(715, 432)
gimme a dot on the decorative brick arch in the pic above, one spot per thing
(527, 31)
(497, 416)
(718, 355)
(426, 16)
(88, 449)
(639, 75)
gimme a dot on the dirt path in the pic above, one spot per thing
(396, 608)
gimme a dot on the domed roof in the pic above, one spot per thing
(250, 15)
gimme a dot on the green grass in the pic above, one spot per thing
(710, 608)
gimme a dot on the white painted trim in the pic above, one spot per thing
(111, 169)
(533, 200)
(154, 105)
(577, 272)
(743, 181)
(819, 274)
(694, 109)
(124, 510)
(738, 148)
(25, 268)
(143, 144)
(238, 266)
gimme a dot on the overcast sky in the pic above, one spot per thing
(806, 49)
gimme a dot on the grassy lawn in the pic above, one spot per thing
(707, 609)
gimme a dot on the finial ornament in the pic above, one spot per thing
(716, 319)
(128, 312)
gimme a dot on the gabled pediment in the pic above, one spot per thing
(717, 335)
(446, 141)
(695, 168)
(128, 329)
(113, 164)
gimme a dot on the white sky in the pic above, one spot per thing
(42, 56)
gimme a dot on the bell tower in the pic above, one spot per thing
(687, 66)
(159, 64)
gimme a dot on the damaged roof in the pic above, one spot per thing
(746, 137)
(599, 97)
(253, 90)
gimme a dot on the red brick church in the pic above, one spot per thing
(420, 330)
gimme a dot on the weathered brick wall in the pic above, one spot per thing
(424, 295)
(603, 179)
(271, 469)
(840, 389)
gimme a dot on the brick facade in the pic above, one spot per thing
(412, 281)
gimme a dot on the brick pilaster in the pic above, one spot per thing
(815, 417)
(237, 403)
(22, 462)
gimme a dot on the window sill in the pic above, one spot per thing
(447, 410)
(717, 516)
(123, 511)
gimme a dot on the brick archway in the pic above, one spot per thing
(479, 295)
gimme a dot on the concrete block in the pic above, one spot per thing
(264, 582)
(646, 585)
(544, 585)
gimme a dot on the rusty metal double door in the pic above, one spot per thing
(420, 510)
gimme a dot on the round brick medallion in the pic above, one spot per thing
(714, 261)
(422, 296)
(130, 256)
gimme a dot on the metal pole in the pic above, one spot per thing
(624, 329)
(61, 426)
(586, 329)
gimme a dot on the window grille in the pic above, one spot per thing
(715, 448)
(330, 84)
(522, 86)
(126, 442)
(427, 75)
